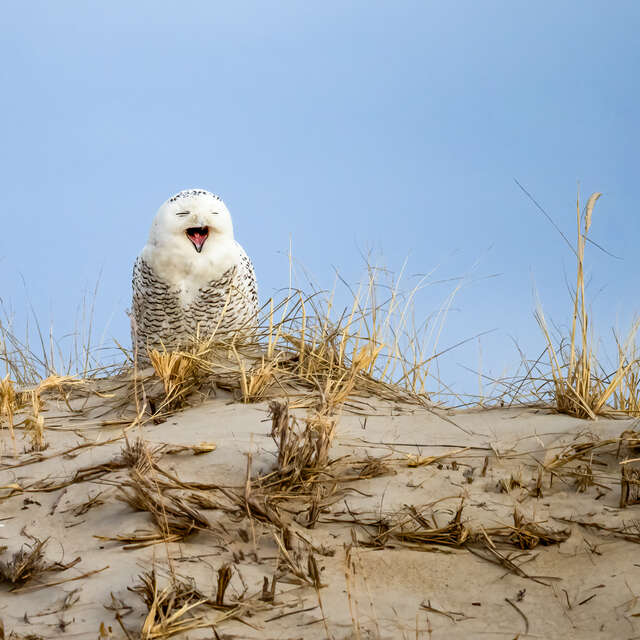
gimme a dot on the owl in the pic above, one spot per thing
(192, 281)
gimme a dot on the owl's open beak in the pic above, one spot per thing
(198, 236)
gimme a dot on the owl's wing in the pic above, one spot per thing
(247, 277)
(157, 318)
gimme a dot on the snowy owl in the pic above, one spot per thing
(192, 279)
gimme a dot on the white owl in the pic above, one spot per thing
(192, 279)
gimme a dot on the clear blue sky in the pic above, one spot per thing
(345, 126)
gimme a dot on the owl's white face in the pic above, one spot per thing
(193, 220)
(191, 241)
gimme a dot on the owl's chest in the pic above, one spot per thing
(194, 298)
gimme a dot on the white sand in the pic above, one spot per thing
(598, 575)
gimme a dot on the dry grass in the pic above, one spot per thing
(172, 515)
(303, 356)
(579, 385)
(304, 473)
(176, 605)
(170, 609)
(629, 485)
(526, 534)
(29, 562)
(33, 424)
(306, 350)
(17, 636)
(303, 452)
(306, 347)
(139, 456)
(412, 527)
(30, 401)
(177, 371)
(366, 345)
(8, 402)
(25, 564)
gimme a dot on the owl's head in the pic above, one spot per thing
(194, 219)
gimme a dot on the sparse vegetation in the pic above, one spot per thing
(580, 387)
(301, 345)
(276, 532)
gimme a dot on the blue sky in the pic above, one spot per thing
(343, 127)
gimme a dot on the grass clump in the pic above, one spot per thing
(25, 564)
(170, 609)
(29, 562)
(579, 386)
(307, 350)
(303, 452)
(171, 514)
(8, 402)
(412, 527)
(177, 371)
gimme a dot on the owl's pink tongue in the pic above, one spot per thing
(198, 235)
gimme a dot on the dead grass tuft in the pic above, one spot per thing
(303, 451)
(29, 563)
(177, 370)
(170, 608)
(8, 402)
(629, 485)
(33, 424)
(414, 528)
(139, 456)
(303, 350)
(579, 385)
(171, 514)
(25, 564)
(526, 534)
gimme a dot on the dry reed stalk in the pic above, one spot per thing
(583, 477)
(575, 462)
(629, 444)
(291, 563)
(485, 548)
(527, 534)
(303, 452)
(369, 350)
(578, 389)
(8, 402)
(134, 456)
(514, 481)
(582, 451)
(139, 456)
(171, 514)
(629, 531)
(419, 461)
(625, 398)
(224, 578)
(373, 468)
(629, 485)
(84, 507)
(424, 531)
(177, 371)
(26, 563)
(413, 528)
(18, 636)
(170, 610)
(350, 580)
(62, 385)
(33, 424)
(29, 563)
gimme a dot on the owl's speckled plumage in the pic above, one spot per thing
(192, 279)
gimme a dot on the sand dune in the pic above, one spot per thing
(378, 574)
